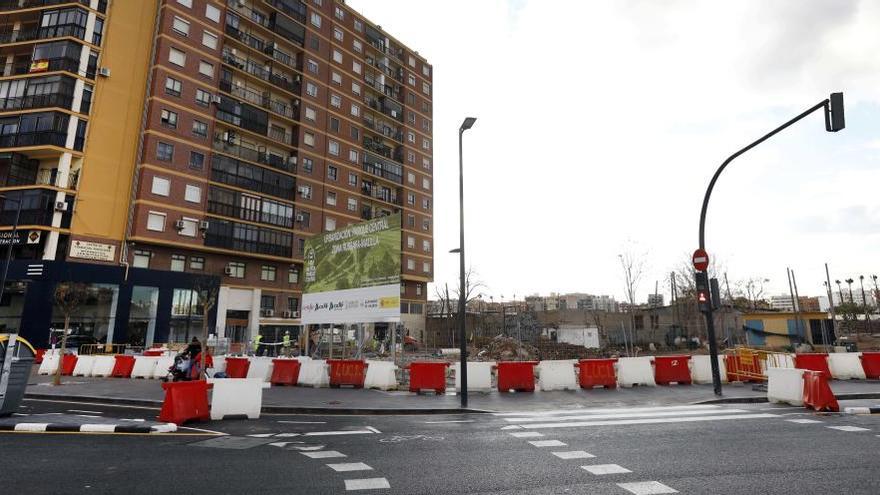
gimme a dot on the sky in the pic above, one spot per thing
(600, 123)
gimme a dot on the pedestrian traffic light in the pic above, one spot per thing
(834, 119)
(704, 297)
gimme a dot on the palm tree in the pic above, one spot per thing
(839, 293)
(849, 283)
(862, 284)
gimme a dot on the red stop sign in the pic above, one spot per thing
(701, 260)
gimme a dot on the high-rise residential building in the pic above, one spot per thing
(158, 147)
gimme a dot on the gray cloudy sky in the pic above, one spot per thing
(601, 122)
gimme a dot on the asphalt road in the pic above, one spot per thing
(748, 449)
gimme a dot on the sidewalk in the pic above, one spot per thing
(351, 401)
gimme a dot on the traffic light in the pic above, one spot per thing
(835, 109)
(715, 292)
(704, 297)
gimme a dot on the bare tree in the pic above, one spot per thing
(206, 289)
(68, 297)
(472, 286)
(752, 289)
(598, 319)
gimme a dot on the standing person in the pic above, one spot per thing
(285, 343)
(256, 344)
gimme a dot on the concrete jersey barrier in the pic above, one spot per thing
(701, 372)
(237, 397)
(381, 375)
(785, 386)
(557, 375)
(144, 366)
(479, 375)
(103, 366)
(846, 365)
(635, 371)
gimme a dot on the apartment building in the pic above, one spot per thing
(157, 147)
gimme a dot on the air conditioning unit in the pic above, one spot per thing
(179, 224)
(60, 206)
(227, 270)
(286, 314)
(294, 314)
(300, 217)
(215, 99)
(203, 225)
(291, 160)
(228, 136)
(268, 313)
(104, 71)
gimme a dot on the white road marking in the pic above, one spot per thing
(648, 421)
(453, 421)
(647, 488)
(600, 469)
(374, 430)
(367, 484)
(324, 454)
(349, 466)
(84, 411)
(86, 416)
(548, 443)
(342, 432)
(574, 454)
(803, 421)
(526, 434)
(304, 422)
(511, 427)
(261, 435)
(848, 428)
(279, 444)
(626, 415)
(199, 429)
(310, 447)
(20, 414)
(609, 411)
(287, 435)
(31, 426)
(132, 419)
(98, 428)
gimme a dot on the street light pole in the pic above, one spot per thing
(462, 295)
(834, 121)
(11, 239)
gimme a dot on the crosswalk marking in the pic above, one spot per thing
(323, 454)
(600, 469)
(647, 488)
(526, 434)
(803, 421)
(848, 428)
(647, 421)
(557, 412)
(574, 454)
(628, 415)
(349, 466)
(367, 484)
(547, 443)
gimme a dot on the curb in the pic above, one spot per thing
(341, 411)
(93, 428)
(760, 399)
(862, 410)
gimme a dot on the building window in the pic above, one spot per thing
(426, 204)
(169, 119)
(293, 275)
(426, 267)
(355, 110)
(141, 259)
(304, 218)
(315, 43)
(358, 47)
(426, 246)
(193, 194)
(212, 13)
(176, 57)
(267, 305)
(418, 289)
(330, 224)
(206, 69)
(356, 67)
(336, 101)
(353, 156)
(352, 179)
(333, 147)
(410, 157)
(311, 90)
(411, 118)
(203, 97)
(352, 204)
(412, 61)
(209, 40)
(411, 79)
(188, 227)
(410, 242)
(309, 139)
(410, 198)
(316, 19)
(410, 264)
(332, 173)
(196, 160)
(426, 184)
(356, 88)
(161, 187)
(411, 177)
(200, 128)
(411, 221)
(156, 221)
(337, 56)
(331, 198)
(267, 273)
(164, 152)
(173, 86)
(339, 13)
(305, 191)
(178, 262)
(308, 164)
(426, 225)
(426, 164)
(426, 88)
(426, 144)
(186, 3)
(426, 71)
(312, 66)
(410, 137)
(196, 263)
(311, 114)
(402, 288)
(337, 34)
(355, 133)
(235, 269)
(336, 78)
(358, 25)
(180, 26)
(334, 124)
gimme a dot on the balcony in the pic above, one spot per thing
(41, 33)
(6, 5)
(235, 211)
(262, 99)
(251, 177)
(40, 178)
(21, 67)
(262, 71)
(383, 128)
(37, 208)
(39, 138)
(255, 154)
(379, 192)
(59, 100)
(293, 8)
(381, 168)
(248, 238)
(377, 147)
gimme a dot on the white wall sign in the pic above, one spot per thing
(92, 251)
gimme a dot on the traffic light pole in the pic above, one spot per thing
(834, 121)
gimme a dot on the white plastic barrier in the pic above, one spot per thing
(785, 386)
(49, 364)
(314, 373)
(381, 375)
(557, 375)
(162, 365)
(144, 366)
(84, 365)
(701, 369)
(260, 367)
(103, 366)
(219, 365)
(846, 365)
(237, 397)
(479, 375)
(779, 361)
(635, 371)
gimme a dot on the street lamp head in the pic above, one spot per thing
(467, 124)
(455, 251)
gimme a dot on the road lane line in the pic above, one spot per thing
(574, 454)
(323, 454)
(610, 410)
(341, 432)
(304, 422)
(803, 421)
(349, 466)
(647, 488)
(647, 421)
(625, 415)
(367, 484)
(848, 428)
(601, 469)
(548, 443)
(452, 421)
(84, 411)
(526, 434)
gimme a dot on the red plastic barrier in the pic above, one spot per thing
(68, 363)
(668, 369)
(738, 365)
(185, 401)
(516, 375)
(347, 372)
(430, 375)
(817, 361)
(237, 367)
(38, 357)
(871, 364)
(597, 372)
(817, 392)
(154, 352)
(285, 372)
(123, 366)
